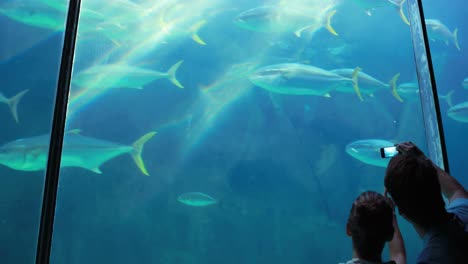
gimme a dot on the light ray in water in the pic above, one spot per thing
(213, 103)
(148, 36)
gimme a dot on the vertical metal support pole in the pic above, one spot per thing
(56, 139)
(427, 86)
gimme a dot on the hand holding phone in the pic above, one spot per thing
(388, 152)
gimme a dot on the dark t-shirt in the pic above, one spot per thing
(448, 244)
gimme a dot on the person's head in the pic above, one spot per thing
(411, 181)
(370, 224)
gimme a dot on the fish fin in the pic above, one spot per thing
(194, 29)
(172, 74)
(138, 149)
(96, 170)
(328, 25)
(393, 84)
(75, 131)
(402, 14)
(298, 32)
(356, 83)
(328, 95)
(368, 12)
(448, 98)
(455, 38)
(13, 104)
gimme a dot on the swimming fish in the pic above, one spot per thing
(301, 79)
(30, 154)
(368, 84)
(409, 91)
(459, 112)
(40, 14)
(465, 83)
(282, 19)
(196, 199)
(13, 103)
(33, 13)
(368, 151)
(122, 76)
(438, 31)
(370, 5)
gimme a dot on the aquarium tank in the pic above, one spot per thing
(218, 131)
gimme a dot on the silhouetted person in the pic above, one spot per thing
(415, 184)
(372, 223)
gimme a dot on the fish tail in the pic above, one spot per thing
(138, 149)
(393, 84)
(13, 104)
(455, 38)
(448, 98)
(194, 29)
(355, 78)
(171, 73)
(402, 14)
(328, 25)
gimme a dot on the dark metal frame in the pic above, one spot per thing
(57, 133)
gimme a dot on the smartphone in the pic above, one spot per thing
(388, 152)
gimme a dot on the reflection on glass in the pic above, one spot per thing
(269, 119)
(31, 36)
(446, 30)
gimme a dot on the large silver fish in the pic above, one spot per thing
(438, 31)
(459, 112)
(281, 19)
(301, 79)
(368, 151)
(368, 84)
(30, 154)
(37, 13)
(122, 76)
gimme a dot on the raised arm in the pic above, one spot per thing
(396, 246)
(450, 187)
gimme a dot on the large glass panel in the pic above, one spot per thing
(230, 131)
(31, 37)
(446, 25)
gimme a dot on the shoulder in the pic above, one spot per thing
(459, 207)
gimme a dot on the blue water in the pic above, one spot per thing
(276, 163)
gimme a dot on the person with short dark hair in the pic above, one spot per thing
(416, 185)
(372, 223)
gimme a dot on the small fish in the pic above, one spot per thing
(281, 19)
(438, 31)
(409, 91)
(459, 112)
(196, 199)
(370, 5)
(122, 76)
(13, 103)
(465, 83)
(368, 84)
(301, 79)
(368, 151)
(30, 154)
